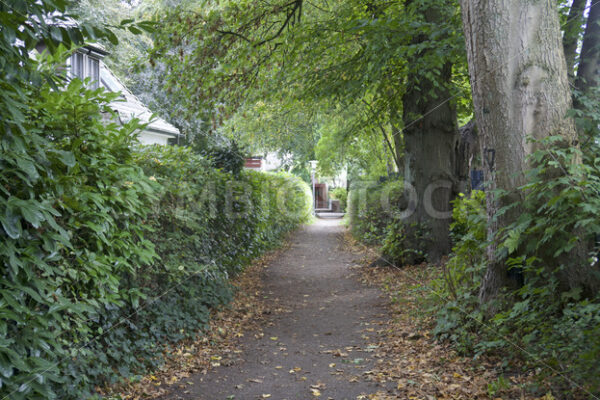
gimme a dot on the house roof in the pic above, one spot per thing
(129, 106)
(95, 49)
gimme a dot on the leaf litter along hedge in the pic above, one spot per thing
(110, 253)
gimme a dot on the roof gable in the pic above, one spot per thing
(129, 106)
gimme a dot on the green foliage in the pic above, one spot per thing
(24, 25)
(460, 317)
(468, 218)
(227, 157)
(308, 78)
(73, 210)
(341, 194)
(71, 228)
(370, 208)
(351, 140)
(552, 314)
(105, 265)
(500, 384)
(561, 203)
(404, 243)
(290, 130)
(465, 267)
(561, 332)
(133, 33)
(220, 220)
(206, 226)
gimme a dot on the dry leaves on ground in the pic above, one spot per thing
(219, 345)
(406, 353)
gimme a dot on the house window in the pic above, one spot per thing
(77, 66)
(84, 66)
(94, 71)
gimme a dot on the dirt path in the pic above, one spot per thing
(320, 345)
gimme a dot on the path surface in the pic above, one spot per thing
(329, 318)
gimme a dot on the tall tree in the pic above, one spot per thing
(588, 71)
(431, 130)
(520, 89)
(572, 33)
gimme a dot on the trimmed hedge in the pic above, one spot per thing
(377, 217)
(371, 207)
(110, 253)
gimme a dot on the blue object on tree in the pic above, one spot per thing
(477, 179)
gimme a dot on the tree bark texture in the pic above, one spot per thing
(467, 156)
(430, 137)
(520, 89)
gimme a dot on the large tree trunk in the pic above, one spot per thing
(466, 155)
(572, 31)
(589, 60)
(520, 89)
(429, 156)
(430, 138)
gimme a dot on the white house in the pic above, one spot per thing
(87, 63)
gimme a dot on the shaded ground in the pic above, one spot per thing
(320, 342)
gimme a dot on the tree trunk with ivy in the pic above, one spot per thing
(520, 90)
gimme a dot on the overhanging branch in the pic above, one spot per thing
(297, 7)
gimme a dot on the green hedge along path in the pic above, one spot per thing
(111, 252)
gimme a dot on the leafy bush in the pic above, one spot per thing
(468, 218)
(227, 157)
(206, 226)
(211, 218)
(459, 317)
(110, 254)
(73, 211)
(556, 313)
(404, 243)
(341, 194)
(465, 267)
(370, 208)
(60, 248)
(374, 211)
(553, 314)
